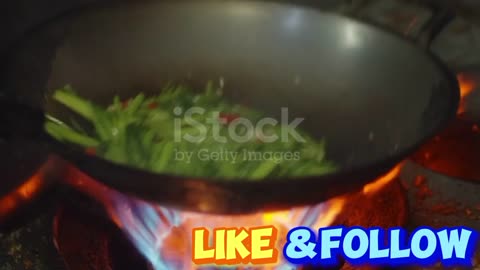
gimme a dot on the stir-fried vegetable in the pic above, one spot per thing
(161, 134)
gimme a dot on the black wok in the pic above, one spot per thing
(373, 95)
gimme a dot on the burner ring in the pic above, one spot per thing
(80, 233)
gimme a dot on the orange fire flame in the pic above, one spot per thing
(21, 195)
(382, 181)
(176, 241)
(467, 86)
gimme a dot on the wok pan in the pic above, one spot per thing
(374, 95)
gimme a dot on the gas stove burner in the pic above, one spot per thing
(87, 240)
(456, 151)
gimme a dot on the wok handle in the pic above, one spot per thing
(443, 15)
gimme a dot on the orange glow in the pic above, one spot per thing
(281, 220)
(467, 86)
(382, 181)
(455, 152)
(93, 189)
(21, 195)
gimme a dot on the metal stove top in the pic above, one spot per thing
(435, 200)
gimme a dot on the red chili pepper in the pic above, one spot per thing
(125, 103)
(153, 105)
(228, 117)
(92, 151)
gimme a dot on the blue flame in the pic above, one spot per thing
(147, 226)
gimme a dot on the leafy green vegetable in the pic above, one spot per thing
(156, 133)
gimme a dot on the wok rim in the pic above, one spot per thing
(232, 184)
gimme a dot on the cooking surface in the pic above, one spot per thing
(435, 200)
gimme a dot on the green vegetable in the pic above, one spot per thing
(64, 133)
(152, 133)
